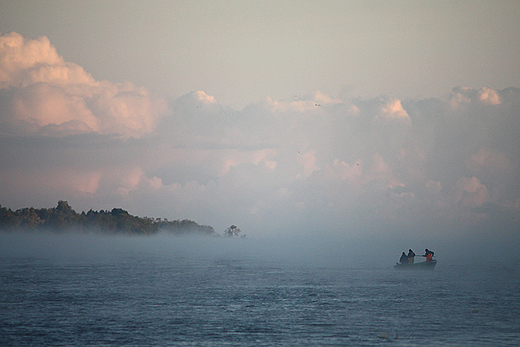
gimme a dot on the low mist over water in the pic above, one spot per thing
(90, 289)
(304, 250)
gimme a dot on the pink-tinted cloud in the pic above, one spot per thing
(392, 109)
(18, 56)
(489, 96)
(47, 91)
(471, 192)
(316, 161)
(462, 96)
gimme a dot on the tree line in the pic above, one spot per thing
(63, 218)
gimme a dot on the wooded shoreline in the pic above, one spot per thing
(63, 218)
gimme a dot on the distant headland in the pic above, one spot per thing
(63, 218)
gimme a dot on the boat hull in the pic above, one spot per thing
(417, 266)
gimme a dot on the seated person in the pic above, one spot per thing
(411, 256)
(429, 255)
(404, 259)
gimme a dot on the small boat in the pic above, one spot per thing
(416, 266)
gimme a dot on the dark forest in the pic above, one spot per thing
(63, 218)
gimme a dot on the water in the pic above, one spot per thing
(138, 297)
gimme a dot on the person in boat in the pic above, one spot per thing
(429, 255)
(404, 259)
(411, 256)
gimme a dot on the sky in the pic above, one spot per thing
(376, 121)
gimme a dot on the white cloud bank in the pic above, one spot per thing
(41, 93)
(431, 168)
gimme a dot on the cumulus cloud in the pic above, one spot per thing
(489, 96)
(485, 160)
(43, 93)
(392, 109)
(19, 57)
(380, 165)
(344, 171)
(308, 162)
(471, 192)
(462, 96)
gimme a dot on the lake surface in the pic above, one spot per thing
(130, 296)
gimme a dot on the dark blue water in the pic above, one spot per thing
(139, 298)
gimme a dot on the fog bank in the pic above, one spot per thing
(333, 252)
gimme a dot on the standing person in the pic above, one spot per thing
(404, 259)
(429, 255)
(411, 256)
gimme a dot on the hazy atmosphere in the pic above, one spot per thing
(366, 123)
